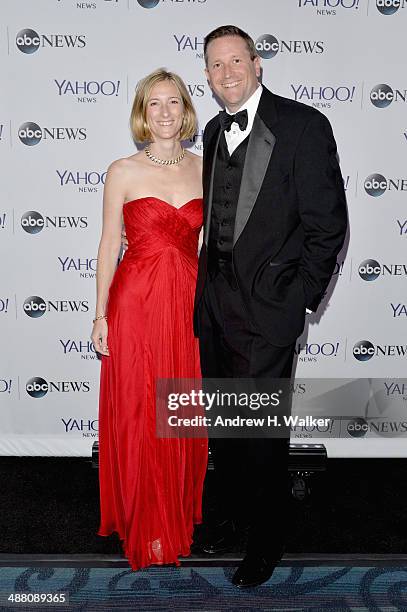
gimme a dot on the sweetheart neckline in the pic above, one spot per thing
(163, 201)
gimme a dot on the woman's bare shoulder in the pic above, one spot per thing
(124, 165)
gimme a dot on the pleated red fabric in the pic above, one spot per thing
(150, 488)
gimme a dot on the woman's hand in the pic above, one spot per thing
(99, 337)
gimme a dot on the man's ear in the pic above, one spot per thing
(257, 65)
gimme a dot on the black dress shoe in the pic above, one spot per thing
(254, 570)
(223, 538)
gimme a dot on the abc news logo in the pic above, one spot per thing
(38, 387)
(35, 306)
(370, 269)
(383, 95)
(389, 7)
(365, 350)
(376, 184)
(29, 41)
(267, 46)
(359, 427)
(148, 4)
(33, 222)
(31, 133)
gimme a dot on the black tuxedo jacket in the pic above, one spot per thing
(291, 216)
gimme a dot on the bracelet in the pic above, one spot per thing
(98, 318)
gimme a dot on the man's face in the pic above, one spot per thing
(232, 74)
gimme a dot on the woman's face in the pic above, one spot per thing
(165, 111)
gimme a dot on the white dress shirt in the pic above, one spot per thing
(235, 135)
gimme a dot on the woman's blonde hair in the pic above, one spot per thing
(138, 117)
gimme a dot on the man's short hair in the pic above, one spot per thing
(229, 30)
(138, 117)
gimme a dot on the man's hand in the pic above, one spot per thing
(125, 242)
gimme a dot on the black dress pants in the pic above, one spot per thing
(251, 474)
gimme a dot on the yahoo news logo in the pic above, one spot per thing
(402, 225)
(396, 389)
(88, 427)
(35, 306)
(87, 181)
(31, 133)
(376, 184)
(267, 46)
(84, 348)
(37, 386)
(29, 41)
(338, 269)
(85, 266)
(34, 222)
(323, 95)
(370, 270)
(365, 350)
(310, 352)
(4, 305)
(383, 95)
(189, 43)
(6, 385)
(389, 7)
(86, 91)
(329, 4)
(398, 310)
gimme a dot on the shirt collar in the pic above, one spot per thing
(250, 105)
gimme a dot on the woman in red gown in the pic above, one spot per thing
(150, 487)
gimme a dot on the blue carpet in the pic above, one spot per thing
(208, 589)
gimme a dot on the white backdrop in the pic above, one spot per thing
(68, 73)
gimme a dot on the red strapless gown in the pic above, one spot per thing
(150, 488)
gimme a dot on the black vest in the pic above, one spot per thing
(226, 188)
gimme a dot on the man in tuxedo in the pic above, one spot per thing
(274, 222)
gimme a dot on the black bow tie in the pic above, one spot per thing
(226, 120)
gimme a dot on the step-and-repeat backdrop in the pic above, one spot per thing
(68, 71)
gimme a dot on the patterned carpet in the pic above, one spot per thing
(208, 589)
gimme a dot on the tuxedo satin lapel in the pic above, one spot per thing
(259, 150)
(211, 152)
